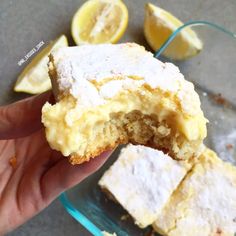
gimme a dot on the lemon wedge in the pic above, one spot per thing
(99, 21)
(160, 24)
(34, 79)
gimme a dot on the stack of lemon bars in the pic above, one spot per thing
(175, 197)
(117, 94)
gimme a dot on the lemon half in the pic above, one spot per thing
(160, 24)
(34, 79)
(99, 21)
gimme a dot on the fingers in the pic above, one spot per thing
(64, 175)
(22, 118)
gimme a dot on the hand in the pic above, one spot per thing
(32, 175)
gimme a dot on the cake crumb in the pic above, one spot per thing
(218, 231)
(104, 233)
(229, 146)
(150, 233)
(13, 162)
(124, 217)
(219, 99)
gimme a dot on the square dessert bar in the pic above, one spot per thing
(204, 203)
(117, 94)
(142, 181)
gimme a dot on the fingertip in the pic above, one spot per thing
(95, 163)
(64, 175)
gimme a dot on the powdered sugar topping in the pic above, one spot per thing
(77, 67)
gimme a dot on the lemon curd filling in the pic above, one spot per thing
(142, 116)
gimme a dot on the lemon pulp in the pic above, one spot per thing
(99, 21)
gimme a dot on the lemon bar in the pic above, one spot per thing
(112, 94)
(205, 202)
(142, 181)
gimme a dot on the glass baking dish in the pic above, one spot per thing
(213, 72)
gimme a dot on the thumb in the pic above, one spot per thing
(63, 175)
(22, 118)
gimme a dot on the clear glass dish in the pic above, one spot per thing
(213, 72)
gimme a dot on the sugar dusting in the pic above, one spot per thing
(142, 180)
(77, 67)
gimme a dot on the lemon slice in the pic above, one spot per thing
(99, 21)
(34, 78)
(160, 24)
